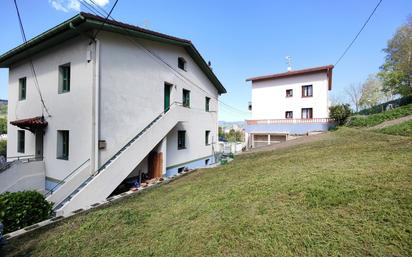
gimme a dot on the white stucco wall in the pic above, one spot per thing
(132, 95)
(69, 111)
(269, 99)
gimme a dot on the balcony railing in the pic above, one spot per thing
(289, 121)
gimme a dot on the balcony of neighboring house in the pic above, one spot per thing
(23, 171)
(289, 126)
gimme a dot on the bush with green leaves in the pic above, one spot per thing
(22, 209)
(3, 126)
(340, 113)
(375, 119)
(3, 147)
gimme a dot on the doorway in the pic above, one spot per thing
(39, 143)
(167, 89)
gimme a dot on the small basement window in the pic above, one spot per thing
(207, 135)
(22, 88)
(20, 141)
(186, 98)
(181, 139)
(64, 78)
(181, 63)
(207, 161)
(63, 144)
(289, 92)
(207, 104)
(289, 115)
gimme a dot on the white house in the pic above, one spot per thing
(289, 103)
(92, 103)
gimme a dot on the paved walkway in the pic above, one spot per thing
(289, 143)
(392, 122)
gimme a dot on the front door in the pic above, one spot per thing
(39, 143)
(167, 97)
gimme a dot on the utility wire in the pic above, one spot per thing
(33, 70)
(105, 20)
(179, 74)
(357, 35)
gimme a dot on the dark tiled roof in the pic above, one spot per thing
(328, 69)
(84, 22)
(30, 123)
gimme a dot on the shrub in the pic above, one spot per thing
(3, 126)
(375, 119)
(340, 113)
(21, 209)
(3, 148)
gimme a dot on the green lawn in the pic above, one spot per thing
(349, 194)
(402, 129)
(375, 119)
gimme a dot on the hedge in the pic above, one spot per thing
(22, 209)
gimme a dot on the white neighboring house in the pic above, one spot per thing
(289, 103)
(125, 102)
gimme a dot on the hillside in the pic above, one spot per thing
(348, 194)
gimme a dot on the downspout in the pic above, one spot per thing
(96, 110)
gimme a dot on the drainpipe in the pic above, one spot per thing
(95, 110)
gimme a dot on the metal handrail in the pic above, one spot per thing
(19, 159)
(65, 178)
(119, 152)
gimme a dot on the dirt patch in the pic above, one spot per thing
(392, 122)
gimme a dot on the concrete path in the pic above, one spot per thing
(391, 122)
(286, 144)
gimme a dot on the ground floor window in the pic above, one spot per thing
(63, 144)
(207, 135)
(20, 141)
(307, 113)
(289, 115)
(181, 139)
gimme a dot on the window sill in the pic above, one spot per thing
(181, 148)
(64, 92)
(62, 158)
(307, 96)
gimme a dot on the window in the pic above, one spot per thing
(20, 141)
(64, 78)
(181, 63)
(207, 134)
(180, 170)
(307, 91)
(289, 92)
(22, 88)
(207, 161)
(289, 115)
(181, 139)
(307, 113)
(207, 104)
(63, 144)
(186, 98)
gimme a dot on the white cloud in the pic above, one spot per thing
(74, 5)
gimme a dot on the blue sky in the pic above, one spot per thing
(242, 38)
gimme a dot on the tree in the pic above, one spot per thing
(3, 126)
(396, 72)
(372, 92)
(340, 113)
(354, 93)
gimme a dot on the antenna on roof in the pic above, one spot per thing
(289, 62)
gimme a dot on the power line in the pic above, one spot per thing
(33, 70)
(173, 69)
(107, 17)
(357, 35)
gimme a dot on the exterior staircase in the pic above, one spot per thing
(99, 186)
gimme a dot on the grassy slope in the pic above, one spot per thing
(402, 129)
(348, 195)
(375, 119)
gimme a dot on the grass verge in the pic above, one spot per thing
(402, 129)
(375, 119)
(349, 194)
